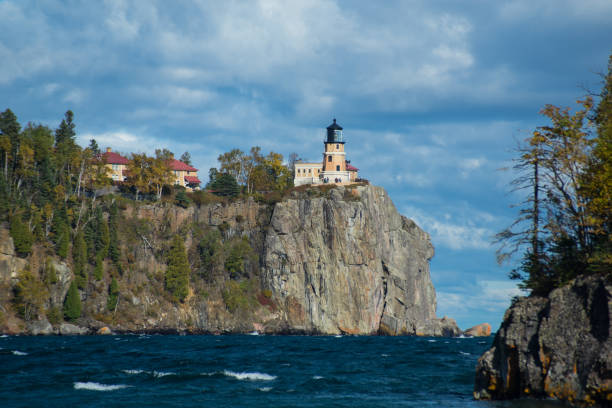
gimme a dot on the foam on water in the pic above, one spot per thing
(265, 389)
(432, 340)
(255, 376)
(19, 353)
(133, 372)
(4, 336)
(159, 374)
(464, 353)
(94, 386)
(317, 377)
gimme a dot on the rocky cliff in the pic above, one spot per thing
(558, 346)
(325, 260)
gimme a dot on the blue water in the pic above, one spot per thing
(240, 371)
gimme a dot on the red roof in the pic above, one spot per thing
(179, 165)
(192, 180)
(351, 168)
(114, 158)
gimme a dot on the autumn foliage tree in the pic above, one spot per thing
(563, 225)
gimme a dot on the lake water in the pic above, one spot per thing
(241, 371)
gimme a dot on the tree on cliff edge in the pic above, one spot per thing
(563, 225)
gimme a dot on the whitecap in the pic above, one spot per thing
(338, 336)
(94, 386)
(133, 372)
(432, 340)
(19, 353)
(317, 377)
(4, 336)
(265, 389)
(464, 353)
(255, 376)
(384, 355)
(159, 374)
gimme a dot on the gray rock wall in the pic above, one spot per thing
(558, 346)
(350, 263)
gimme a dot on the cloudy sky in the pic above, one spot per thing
(433, 95)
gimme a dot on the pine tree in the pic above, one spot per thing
(113, 240)
(79, 259)
(225, 185)
(113, 295)
(99, 268)
(22, 237)
(177, 274)
(72, 303)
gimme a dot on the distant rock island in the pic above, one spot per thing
(328, 259)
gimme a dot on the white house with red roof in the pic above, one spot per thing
(185, 175)
(116, 164)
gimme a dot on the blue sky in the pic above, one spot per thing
(432, 95)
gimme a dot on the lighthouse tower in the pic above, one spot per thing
(334, 158)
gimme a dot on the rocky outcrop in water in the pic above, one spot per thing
(558, 346)
(331, 260)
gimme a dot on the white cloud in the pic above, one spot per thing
(469, 231)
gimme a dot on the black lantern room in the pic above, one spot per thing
(334, 133)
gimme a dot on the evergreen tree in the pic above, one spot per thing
(177, 274)
(72, 303)
(99, 268)
(22, 237)
(225, 185)
(113, 295)
(79, 259)
(102, 235)
(186, 158)
(61, 231)
(113, 242)
(181, 199)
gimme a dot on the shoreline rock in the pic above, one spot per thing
(559, 346)
(480, 330)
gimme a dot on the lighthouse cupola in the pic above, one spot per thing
(334, 133)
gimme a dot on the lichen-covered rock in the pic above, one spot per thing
(10, 263)
(352, 266)
(558, 346)
(67, 329)
(40, 327)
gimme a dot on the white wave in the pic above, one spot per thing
(250, 376)
(133, 372)
(317, 377)
(338, 336)
(384, 355)
(464, 353)
(265, 389)
(94, 386)
(19, 353)
(4, 336)
(432, 340)
(159, 374)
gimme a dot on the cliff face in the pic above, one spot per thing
(339, 260)
(558, 346)
(350, 263)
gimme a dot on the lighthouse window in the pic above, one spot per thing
(309, 170)
(338, 168)
(337, 146)
(329, 158)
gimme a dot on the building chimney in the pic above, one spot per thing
(108, 150)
